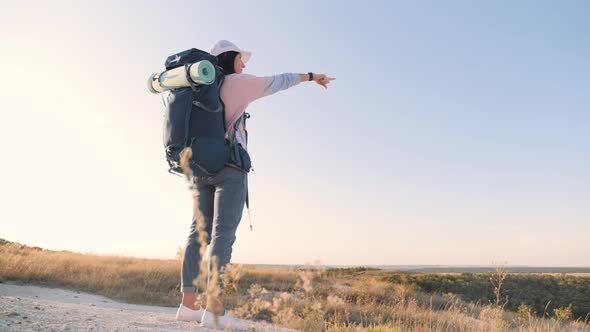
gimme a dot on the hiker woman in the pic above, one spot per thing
(219, 199)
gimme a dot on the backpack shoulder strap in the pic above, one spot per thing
(219, 84)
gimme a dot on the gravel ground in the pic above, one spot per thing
(33, 308)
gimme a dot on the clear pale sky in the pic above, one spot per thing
(456, 133)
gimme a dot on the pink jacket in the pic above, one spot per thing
(239, 90)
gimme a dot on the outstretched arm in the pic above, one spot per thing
(247, 88)
(280, 82)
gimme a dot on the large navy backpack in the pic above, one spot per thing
(194, 117)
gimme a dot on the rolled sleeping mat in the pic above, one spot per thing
(202, 72)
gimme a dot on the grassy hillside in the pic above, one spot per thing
(309, 299)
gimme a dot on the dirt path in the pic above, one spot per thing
(33, 308)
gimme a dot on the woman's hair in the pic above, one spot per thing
(226, 62)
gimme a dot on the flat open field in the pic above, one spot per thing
(305, 299)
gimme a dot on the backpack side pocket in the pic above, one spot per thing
(176, 125)
(241, 158)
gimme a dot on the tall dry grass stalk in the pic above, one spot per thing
(212, 289)
(497, 279)
(185, 156)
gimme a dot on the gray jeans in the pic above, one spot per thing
(219, 201)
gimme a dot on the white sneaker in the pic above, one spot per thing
(224, 321)
(187, 314)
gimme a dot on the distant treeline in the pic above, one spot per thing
(439, 269)
(542, 293)
(486, 269)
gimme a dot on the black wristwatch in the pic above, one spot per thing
(310, 76)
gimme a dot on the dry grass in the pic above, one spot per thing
(308, 299)
(149, 281)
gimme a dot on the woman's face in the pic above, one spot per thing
(238, 64)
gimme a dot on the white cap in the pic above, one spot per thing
(225, 46)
